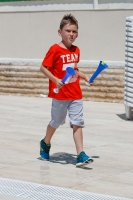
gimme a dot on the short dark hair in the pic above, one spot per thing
(68, 19)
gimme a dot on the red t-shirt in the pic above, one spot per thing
(57, 60)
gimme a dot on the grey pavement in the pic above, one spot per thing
(108, 138)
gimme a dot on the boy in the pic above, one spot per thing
(69, 98)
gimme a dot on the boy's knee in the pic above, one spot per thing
(77, 124)
(55, 124)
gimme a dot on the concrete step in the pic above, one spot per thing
(29, 81)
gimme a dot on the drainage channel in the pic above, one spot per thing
(16, 188)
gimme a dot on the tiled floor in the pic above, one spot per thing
(108, 138)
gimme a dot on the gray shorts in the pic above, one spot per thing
(59, 112)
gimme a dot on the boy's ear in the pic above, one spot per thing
(59, 32)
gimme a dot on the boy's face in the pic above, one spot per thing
(68, 33)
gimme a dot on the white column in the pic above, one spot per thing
(95, 4)
(129, 68)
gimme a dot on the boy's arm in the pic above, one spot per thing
(47, 73)
(83, 76)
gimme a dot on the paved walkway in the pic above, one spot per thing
(108, 138)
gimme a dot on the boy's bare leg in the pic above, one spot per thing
(49, 133)
(82, 158)
(78, 138)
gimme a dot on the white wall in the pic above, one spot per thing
(28, 34)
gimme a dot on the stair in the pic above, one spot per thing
(29, 81)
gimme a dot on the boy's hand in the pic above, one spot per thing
(88, 84)
(58, 82)
(87, 80)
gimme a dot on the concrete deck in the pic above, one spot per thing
(108, 138)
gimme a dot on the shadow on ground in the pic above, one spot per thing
(63, 158)
(66, 158)
(123, 116)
